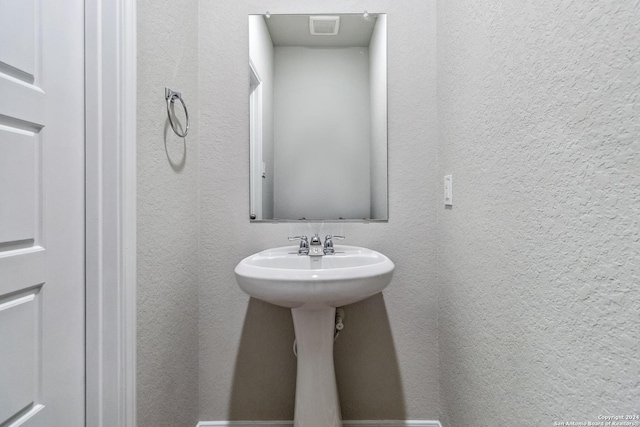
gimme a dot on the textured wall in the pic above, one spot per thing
(387, 356)
(539, 260)
(167, 217)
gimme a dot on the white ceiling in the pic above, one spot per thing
(293, 30)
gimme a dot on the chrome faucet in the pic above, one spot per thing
(315, 247)
(328, 244)
(304, 244)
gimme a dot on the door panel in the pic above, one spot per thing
(41, 213)
(17, 166)
(19, 329)
(18, 25)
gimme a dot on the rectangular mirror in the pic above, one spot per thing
(318, 117)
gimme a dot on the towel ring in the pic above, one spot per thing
(171, 96)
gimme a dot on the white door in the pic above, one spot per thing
(255, 139)
(42, 213)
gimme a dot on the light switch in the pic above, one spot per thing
(448, 190)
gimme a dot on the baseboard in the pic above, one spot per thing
(346, 423)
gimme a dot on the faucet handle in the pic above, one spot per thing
(328, 244)
(304, 240)
(304, 244)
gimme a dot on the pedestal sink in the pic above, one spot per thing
(313, 286)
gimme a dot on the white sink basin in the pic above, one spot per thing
(313, 287)
(282, 277)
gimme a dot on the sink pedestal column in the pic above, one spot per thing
(317, 402)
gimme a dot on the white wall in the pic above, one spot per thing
(387, 356)
(378, 121)
(167, 234)
(321, 132)
(529, 310)
(261, 54)
(539, 263)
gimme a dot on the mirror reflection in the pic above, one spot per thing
(318, 117)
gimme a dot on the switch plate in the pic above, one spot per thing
(448, 190)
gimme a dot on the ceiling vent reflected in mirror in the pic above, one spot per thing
(324, 25)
